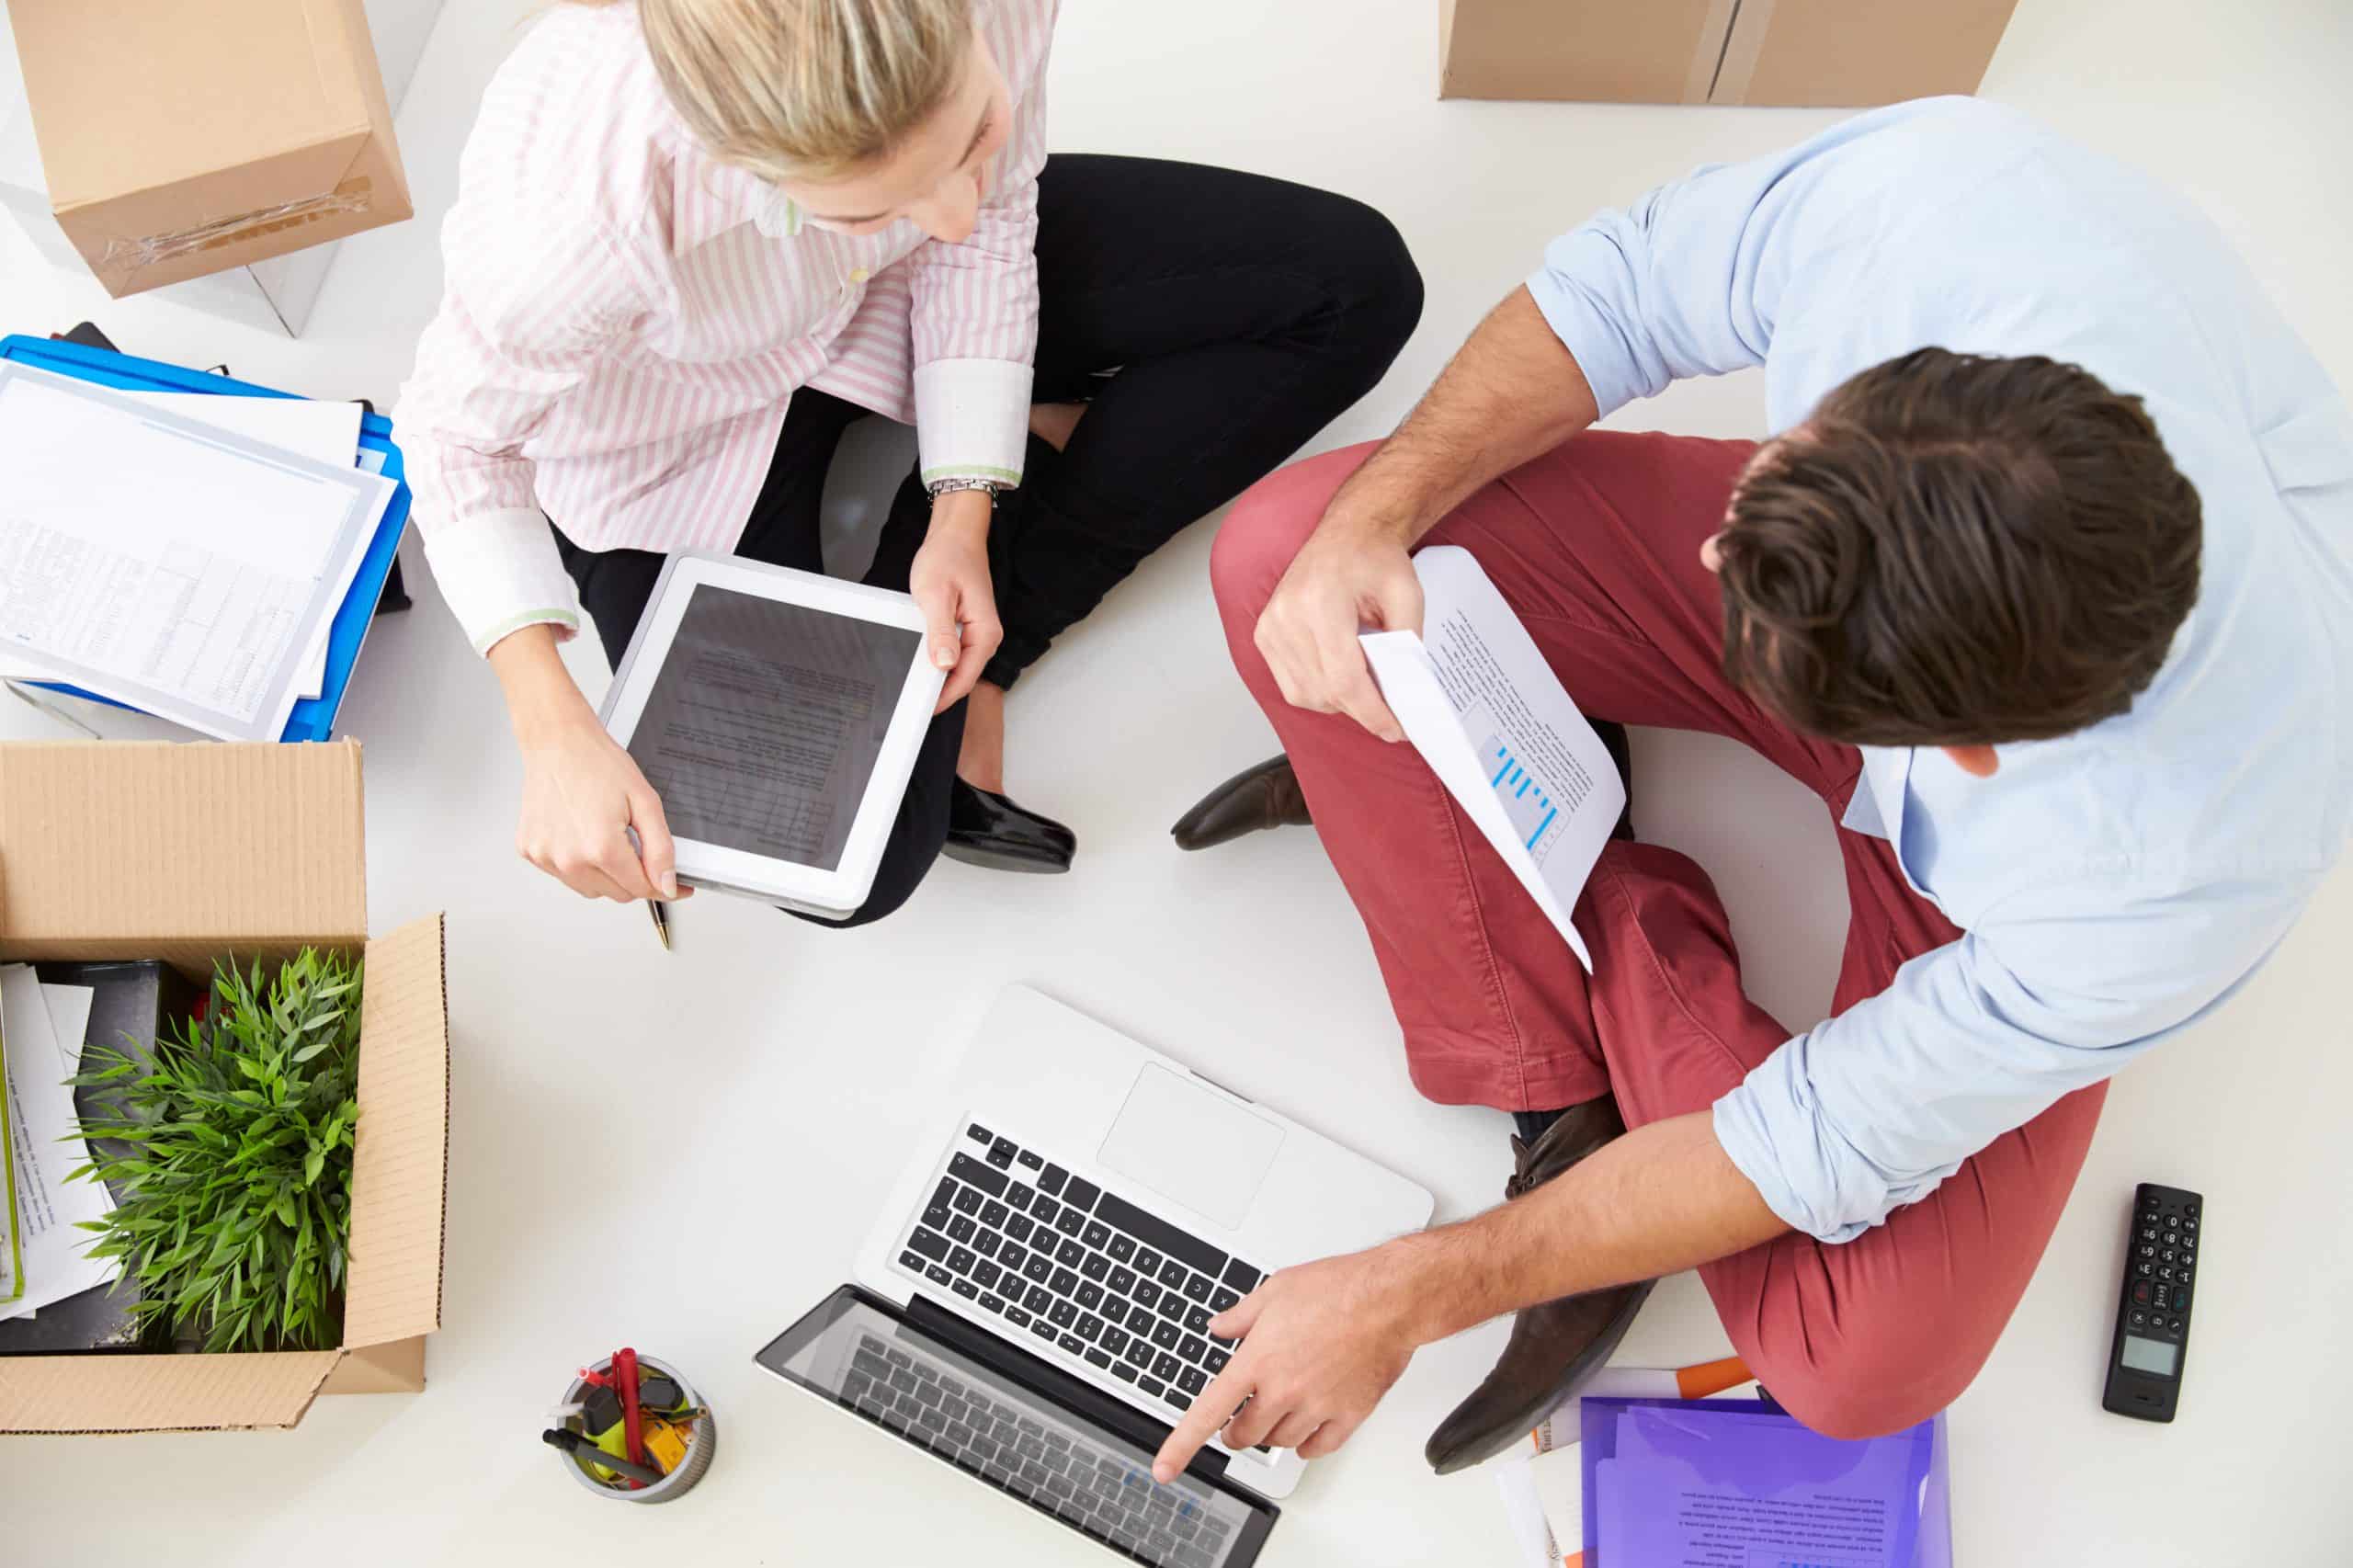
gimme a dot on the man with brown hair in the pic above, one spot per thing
(2045, 586)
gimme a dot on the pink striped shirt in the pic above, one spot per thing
(625, 319)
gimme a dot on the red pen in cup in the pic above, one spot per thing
(632, 1418)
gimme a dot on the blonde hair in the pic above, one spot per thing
(805, 89)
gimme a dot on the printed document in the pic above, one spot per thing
(46, 1145)
(1686, 1494)
(764, 725)
(12, 1256)
(1495, 726)
(323, 432)
(167, 563)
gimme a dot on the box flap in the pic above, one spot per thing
(119, 848)
(401, 1167)
(179, 91)
(159, 1393)
(396, 1366)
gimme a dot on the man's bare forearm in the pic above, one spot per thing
(1662, 1199)
(1510, 393)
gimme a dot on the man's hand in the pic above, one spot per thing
(1321, 1344)
(583, 797)
(1512, 392)
(1349, 576)
(950, 584)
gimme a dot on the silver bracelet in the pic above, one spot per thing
(939, 487)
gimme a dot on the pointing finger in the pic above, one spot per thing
(1210, 1412)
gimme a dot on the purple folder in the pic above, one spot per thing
(1673, 1481)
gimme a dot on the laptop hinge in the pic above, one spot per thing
(1054, 1385)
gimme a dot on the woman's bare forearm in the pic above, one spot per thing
(541, 693)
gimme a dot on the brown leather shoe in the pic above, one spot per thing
(1264, 796)
(1554, 1347)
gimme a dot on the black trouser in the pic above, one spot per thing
(1215, 322)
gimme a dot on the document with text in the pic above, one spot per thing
(46, 1145)
(1494, 723)
(166, 562)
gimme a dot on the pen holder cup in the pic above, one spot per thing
(702, 1441)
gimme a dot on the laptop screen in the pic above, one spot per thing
(899, 1378)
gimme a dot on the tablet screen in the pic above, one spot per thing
(765, 721)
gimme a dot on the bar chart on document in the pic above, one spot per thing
(1527, 805)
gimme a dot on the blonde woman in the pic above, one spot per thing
(695, 239)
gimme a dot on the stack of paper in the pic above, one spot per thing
(182, 553)
(323, 432)
(41, 1031)
(1544, 1502)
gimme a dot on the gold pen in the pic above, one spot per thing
(661, 922)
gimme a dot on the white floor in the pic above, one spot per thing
(778, 1062)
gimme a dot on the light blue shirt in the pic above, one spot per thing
(2119, 884)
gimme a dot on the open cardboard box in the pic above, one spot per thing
(189, 853)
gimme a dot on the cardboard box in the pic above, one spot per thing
(189, 853)
(1815, 53)
(186, 162)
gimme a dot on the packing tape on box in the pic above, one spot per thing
(127, 257)
(1744, 43)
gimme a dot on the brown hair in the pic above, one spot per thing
(1956, 550)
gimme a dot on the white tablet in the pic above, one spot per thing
(777, 714)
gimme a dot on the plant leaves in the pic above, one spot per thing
(235, 1217)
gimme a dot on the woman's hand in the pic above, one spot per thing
(583, 795)
(950, 584)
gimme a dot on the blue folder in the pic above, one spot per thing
(312, 718)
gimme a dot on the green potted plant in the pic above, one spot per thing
(233, 1168)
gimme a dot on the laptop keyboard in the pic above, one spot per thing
(1084, 1485)
(1084, 1272)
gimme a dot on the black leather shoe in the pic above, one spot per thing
(1264, 796)
(987, 829)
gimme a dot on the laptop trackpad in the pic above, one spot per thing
(1191, 1146)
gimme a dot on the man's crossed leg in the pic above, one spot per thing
(1597, 546)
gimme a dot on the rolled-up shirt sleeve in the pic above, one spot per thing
(531, 298)
(1870, 1110)
(973, 303)
(1687, 279)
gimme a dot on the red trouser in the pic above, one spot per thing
(1597, 546)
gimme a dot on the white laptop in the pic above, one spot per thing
(778, 714)
(1079, 1209)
